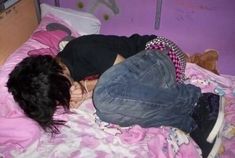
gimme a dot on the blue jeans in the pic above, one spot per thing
(143, 90)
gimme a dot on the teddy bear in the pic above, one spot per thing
(207, 60)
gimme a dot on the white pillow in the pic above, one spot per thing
(82, 22)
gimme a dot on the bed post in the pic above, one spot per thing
(38, 10)
(57, 3)
(158, 14)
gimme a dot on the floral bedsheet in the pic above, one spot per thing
(87, 136)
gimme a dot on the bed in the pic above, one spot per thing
(23, 31)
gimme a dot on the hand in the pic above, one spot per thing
(118, 59)
(76, 95)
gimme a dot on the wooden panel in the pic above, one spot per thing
(16, 25)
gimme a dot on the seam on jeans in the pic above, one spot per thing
(147, 103)
(164, 61)
(129, 116)
(116, 112)
(133, 100)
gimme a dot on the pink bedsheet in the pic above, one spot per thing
(87, 136)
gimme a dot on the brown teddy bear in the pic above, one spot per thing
(207, 60)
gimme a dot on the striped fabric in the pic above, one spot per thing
(175, 53)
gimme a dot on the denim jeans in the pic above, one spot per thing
(143, 90)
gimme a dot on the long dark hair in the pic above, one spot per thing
(38, 85)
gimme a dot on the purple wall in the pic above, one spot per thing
(195, 25)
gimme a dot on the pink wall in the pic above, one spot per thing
(195, 25)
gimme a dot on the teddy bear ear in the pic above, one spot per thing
(212, 53)
(209, 55)
(209, 60)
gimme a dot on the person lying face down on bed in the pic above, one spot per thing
(139, 81)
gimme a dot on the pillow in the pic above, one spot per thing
(46, 38)
(84, 23)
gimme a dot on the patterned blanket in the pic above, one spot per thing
(87, 136)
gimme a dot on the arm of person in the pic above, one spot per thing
(78, 96)
(80, 93)
(90, 84)
(118, 59)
